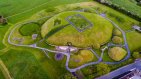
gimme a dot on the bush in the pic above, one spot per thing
(125, 11)
(136, 55)
(68, 76)
(102, 69)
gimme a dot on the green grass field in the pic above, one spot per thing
(25, 9)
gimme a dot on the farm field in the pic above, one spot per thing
(65, 39)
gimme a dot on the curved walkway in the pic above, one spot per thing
(68, 52)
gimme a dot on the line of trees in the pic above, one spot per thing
(120, 9)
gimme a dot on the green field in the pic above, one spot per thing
(22, 64)
(25, 9)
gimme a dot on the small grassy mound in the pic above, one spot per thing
(117, 40)
(117, 32)
(98, 34)
(29, 29)
(23, 65)
(83, 57)
(117, 53)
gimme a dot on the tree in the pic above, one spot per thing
(136, 55)
(68, 76)
(102, 69)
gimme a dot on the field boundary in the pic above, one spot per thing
(4, 70)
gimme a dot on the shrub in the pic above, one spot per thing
(136, 55)
(102, 69)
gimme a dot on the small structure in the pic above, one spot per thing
(65, 48)
(137, 28)
(3, 20)
(79, 22)
(34, 36)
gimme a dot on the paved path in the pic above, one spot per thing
(125, 43)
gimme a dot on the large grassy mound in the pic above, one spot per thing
(100, 33)
(117, 53)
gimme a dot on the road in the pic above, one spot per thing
(121, 70)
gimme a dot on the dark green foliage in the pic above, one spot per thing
(102, 68)
(136, 55)
(57, 22)
(68, 76)
(1, 75)
(29, 29)
(130, 8)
